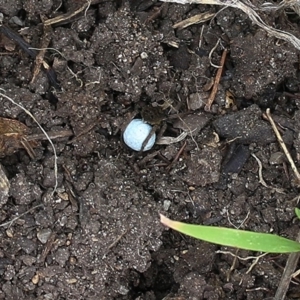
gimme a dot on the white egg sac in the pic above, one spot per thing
(136, 133)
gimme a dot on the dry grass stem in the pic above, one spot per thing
(68, 15)
(292, 4)
(283, 146)
(250, 11)
(20, 216)
(167, 140)
(199, 18)
(212, 96)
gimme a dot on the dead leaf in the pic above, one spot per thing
(13, 137)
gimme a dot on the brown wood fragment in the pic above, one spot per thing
(213, 93)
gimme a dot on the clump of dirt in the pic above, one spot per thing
(98, 235)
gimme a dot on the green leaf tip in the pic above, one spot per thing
(248, 240)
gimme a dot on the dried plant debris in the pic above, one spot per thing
(199, 18)
(292, 4)
(13, 137)
(250, 10)
(4, 186)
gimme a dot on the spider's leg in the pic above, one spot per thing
(148, 138)
(136, 166)
(161, 131)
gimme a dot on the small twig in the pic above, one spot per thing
(20, 216)
(295, 274)
(213, 93)
(258, 289)
(27, 147)
(201, 37)
(233, 265)
(293, 257)
(283, 146)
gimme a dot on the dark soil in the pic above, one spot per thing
(99, 236)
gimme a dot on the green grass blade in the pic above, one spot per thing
(242, 239)
(297, 212)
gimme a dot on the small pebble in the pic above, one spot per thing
(167, 204)
(144, 55)
(43, 235)
(277, 158)
(135, 134)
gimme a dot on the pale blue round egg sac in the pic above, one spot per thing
(135, 134)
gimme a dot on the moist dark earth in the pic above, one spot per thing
(98, 235)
